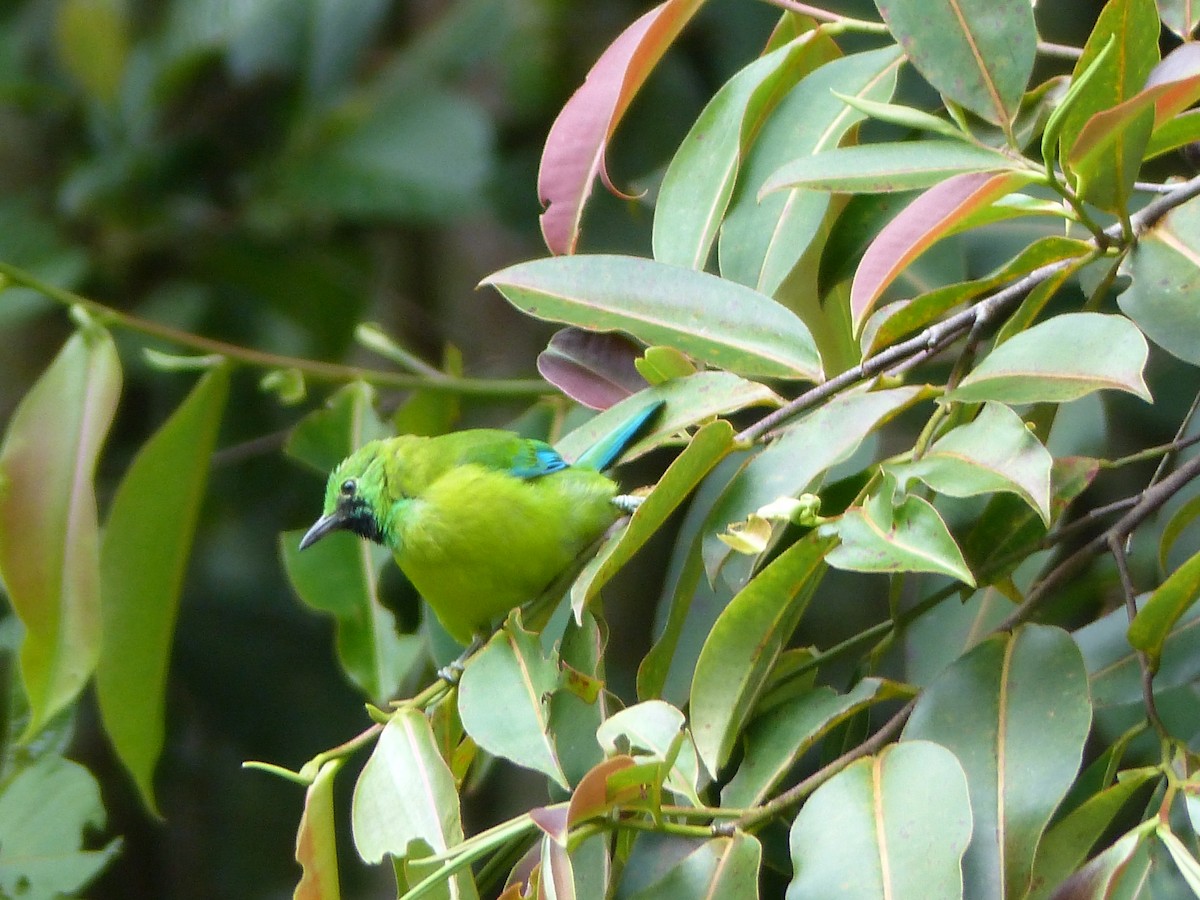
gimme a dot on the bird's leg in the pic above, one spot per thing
(452, 672)
(627, 503)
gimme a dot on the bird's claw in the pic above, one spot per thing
(627, 502)
(452, 672)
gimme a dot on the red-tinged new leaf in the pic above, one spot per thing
(49, 536)
(596, 369)
(927, 219)
(574, 151)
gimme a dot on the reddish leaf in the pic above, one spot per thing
(927, 219)
(595, 369)
(574, 151)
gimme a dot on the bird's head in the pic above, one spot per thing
(354, 498)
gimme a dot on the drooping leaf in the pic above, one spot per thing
(878, 829)
(316, 839)
(1015, 711)
(652, 727)
(574, 151)
(143, 558)
(742, 647)
(504, 699)
(594, 369)
(713, 320)
(49, 537)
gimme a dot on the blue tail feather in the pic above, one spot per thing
(605, 451)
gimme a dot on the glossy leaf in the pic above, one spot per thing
(778, 739)
(49, 537)
(503, 699)
(316, 839)
(1158, 615)
(878, 829)
(742, 647)
(405, 793)
(879, 168)
(1164, 295)
(978, 53)
(653, 727)
(699, 181)
(823, 438)
(575, 147)
(596, 370)
(1015, 711)
(716, 321)
(1061, 359)
(725, 867)
(762, 241)
(881, 536)
(923, 222)
(143, 558)
(709, 446)
(994, 452)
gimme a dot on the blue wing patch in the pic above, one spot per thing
(542, 460)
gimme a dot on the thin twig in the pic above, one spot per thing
(1116, 545)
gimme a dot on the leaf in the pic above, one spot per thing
(503, 698)
(1061, 359)
(778, 739)
(994, 452)
(790, 465)
(93, 44)
(725, 867)
(1181, 16)
(1100, 877)
(762, 241)
(653, 727)
(316, 839)
(879, 168)
(1178, 132)
(977, 53)
(1158, 615)
(924, 221)
(699, 180)
(1179, 522)
(742, 647)
(405, 793)
(579, 705)
(45, 811)
(1164, 295)
(323, 438)
(1016, 713)
(49, 537)
(1075, 95)
(716, 321)
(1188, 867)
(877, 829)
(596, 370)
(689, 401)
(882, 537)
(143, 559)
(575, 147)
(709, 446)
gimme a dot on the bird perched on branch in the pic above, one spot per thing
(480, 521)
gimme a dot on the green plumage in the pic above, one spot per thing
(479, 521)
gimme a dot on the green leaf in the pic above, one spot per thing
(881, 536)
(719, 322)
(143, 559)
(879, 168)
(725, 867)
(92, 38)
(1061, 359)
(1078, 90)
(742, 647)
(995, 452)
(709, 446)
(699, 181)
(1123, 864)
(323, 438)
(652, 727)
(1016, 713)
(1179, 522)
(406, 794)
(1188, 867)
(45, 812)
(776, 740)
(904, 116)
(1181, 16)
(49, 537)
(580, 705)
(1157, 617)
(1164, 296)
(503, 698)
(893, 825)
(761, 242)
(316, 839)
(1178, 132)
(790, 465)
(977, 53)
(689, 402)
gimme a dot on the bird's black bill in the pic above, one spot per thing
(335, 521)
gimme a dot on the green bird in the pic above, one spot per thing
(480, 521)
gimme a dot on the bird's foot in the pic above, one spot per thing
(452, 673)
(627, 502)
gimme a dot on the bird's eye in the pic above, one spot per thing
(349, 487)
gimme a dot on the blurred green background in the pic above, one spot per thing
(271, 173)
